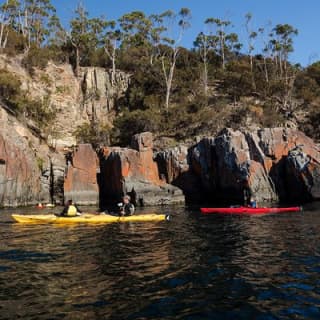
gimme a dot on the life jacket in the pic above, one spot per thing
(72, 211)
(128, 209)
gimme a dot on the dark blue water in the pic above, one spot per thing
(192, 267)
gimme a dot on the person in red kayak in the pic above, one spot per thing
(253, 203)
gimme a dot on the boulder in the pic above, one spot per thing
(81, 183)
(303, 173)
(174, 168)
(134, 171)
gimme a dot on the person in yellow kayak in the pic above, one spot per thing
(126, 208)
(71, 210)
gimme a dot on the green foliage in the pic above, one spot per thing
(307, 83)
(15, 43)
(312, 125)
(130, 123)
(9, 86)
(96, 134)
(45, 79)
(18, 101)
(39, 111)
(201, 89)
(63, 90)
(237, 80)
(40, 163)
(36, 58)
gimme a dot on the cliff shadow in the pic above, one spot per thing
(109, 181)
(288, 185)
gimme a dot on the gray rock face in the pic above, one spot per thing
(135, 172)
(81, 183)
(303, 173)
(99, 95)
(76, 100)
(80, 100)
(52, 179)
(28, 169)
(278, 163)
(175, 168)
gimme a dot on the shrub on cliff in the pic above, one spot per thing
(134, 122)
(39, 58)
(312, 126)
(39, 111)
(15, 43)
(9, 84)
(307, 83)
(96, 134)
(18, 101)
(9, 89)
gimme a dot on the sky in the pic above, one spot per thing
(303, 15)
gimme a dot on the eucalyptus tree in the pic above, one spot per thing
(156, 30)
(79, 35)
(135, 27)
(34, 17)
(218, 29)
(283, 46)
(86, 35)
(9, 12)
(265, 34)
(57, 34)
(112, 40)
(202, 43)
(170, 31)
(251, 36)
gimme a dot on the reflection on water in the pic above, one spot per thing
(192, 267)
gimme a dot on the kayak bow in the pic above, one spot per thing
(249, 210)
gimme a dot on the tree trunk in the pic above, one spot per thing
(1, 35)
(77, 67)
(205, 70)
(205, 78)
(222, 52)
(169, 85)
(266, 74)
(253, 80)
(113, 73)
(169, 77)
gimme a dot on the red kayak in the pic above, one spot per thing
(249, 210)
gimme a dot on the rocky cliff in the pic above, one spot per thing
(81, 183)
(279, 163)
(75, 100)
(33, 170)
(29, 171)
(134, 171)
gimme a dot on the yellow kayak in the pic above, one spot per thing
(87, 218)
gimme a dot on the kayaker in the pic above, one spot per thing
(71, 210)
(253, 203)
(126, 208)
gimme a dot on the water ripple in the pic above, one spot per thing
(194, 267)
